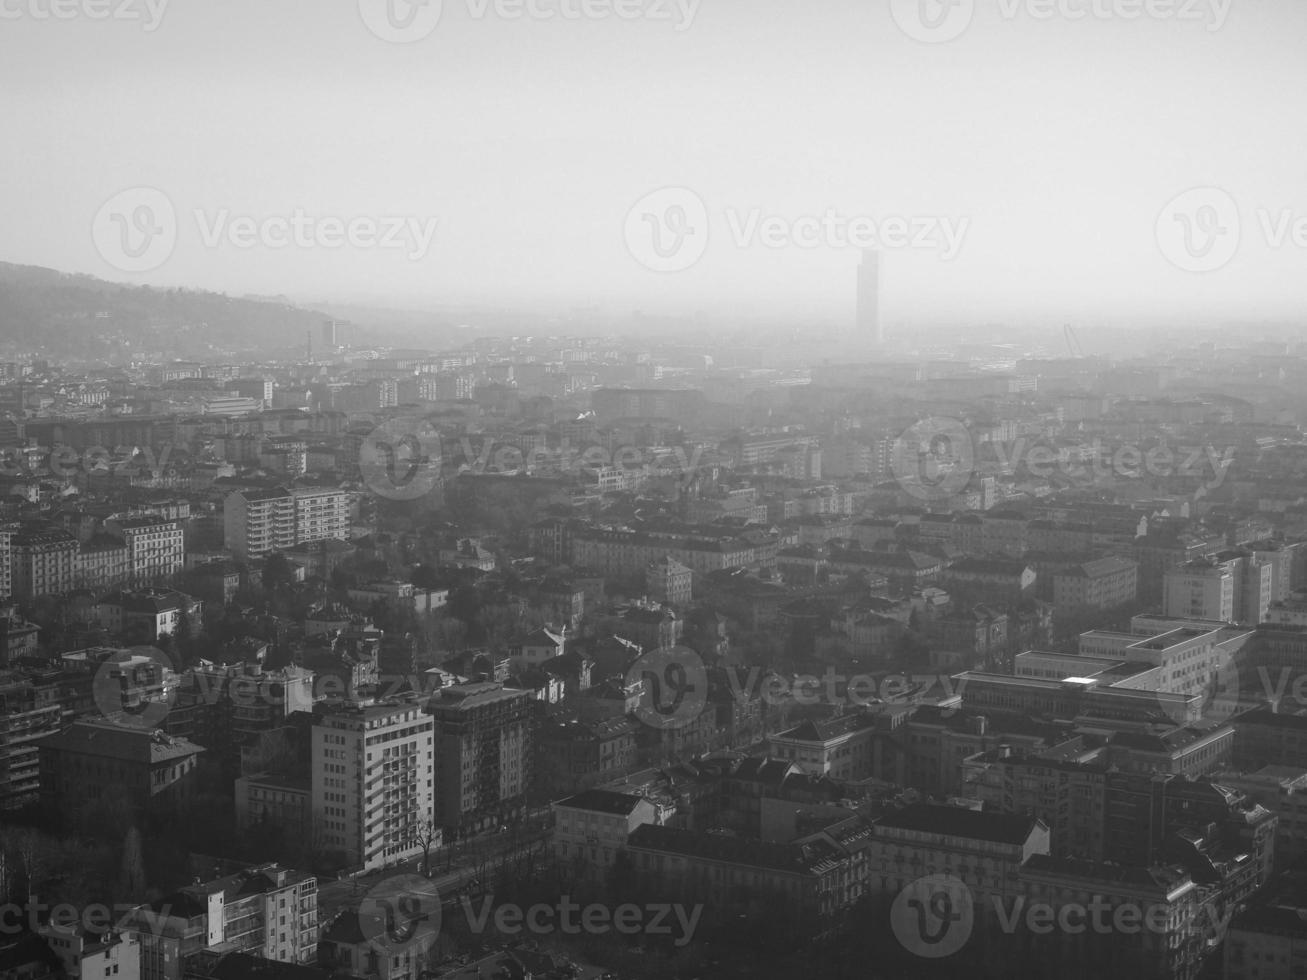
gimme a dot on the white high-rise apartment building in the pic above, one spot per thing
(1200, 589)
(1234, 586)
(373, 779)
(259, 522)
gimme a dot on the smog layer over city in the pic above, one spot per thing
(653, 490)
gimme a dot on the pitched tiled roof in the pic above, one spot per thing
(603, 801)
(110, 741)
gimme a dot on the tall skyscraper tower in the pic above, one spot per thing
(330, 334)
(869, 325)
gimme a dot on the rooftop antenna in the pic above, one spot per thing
(1073, 342)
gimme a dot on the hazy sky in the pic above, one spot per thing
(1031, 156)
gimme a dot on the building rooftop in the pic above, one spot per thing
(247, 966)
(728, 850)
(1102, 567)
(107, 740)
(990, 566)
(468, 696)
(951, 821)
(822, 730)
(283, 781)
(1161, 877)
(137, 523)
(1272, 719)
(151, 602)
(603, 801)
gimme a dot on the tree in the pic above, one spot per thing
(276, 572)
(32, 850)
(271, 753)
(107, 817)
(184, 635)
(426, 837)
(131, 881)
(450, 633)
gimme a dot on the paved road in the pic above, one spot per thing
(484, 855)
(484, 969)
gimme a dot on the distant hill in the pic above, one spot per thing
(81, 318)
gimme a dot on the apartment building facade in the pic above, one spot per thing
(267, 910)
(373, 779)
(625, 552)
(1101, 584)
(43, 562)
(591, 828)
(259, 522)
(156, 548)
(483, 754)
(95, 760)
(31, 707)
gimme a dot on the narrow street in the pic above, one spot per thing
(465, 862)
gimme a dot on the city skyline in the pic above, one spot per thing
(870, 325)
(1064, 219)
(653, 490)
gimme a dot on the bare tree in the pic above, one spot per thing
(272, 753)
(31, 848)
(427, 836)
(132, 880)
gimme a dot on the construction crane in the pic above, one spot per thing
(1073, 342)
